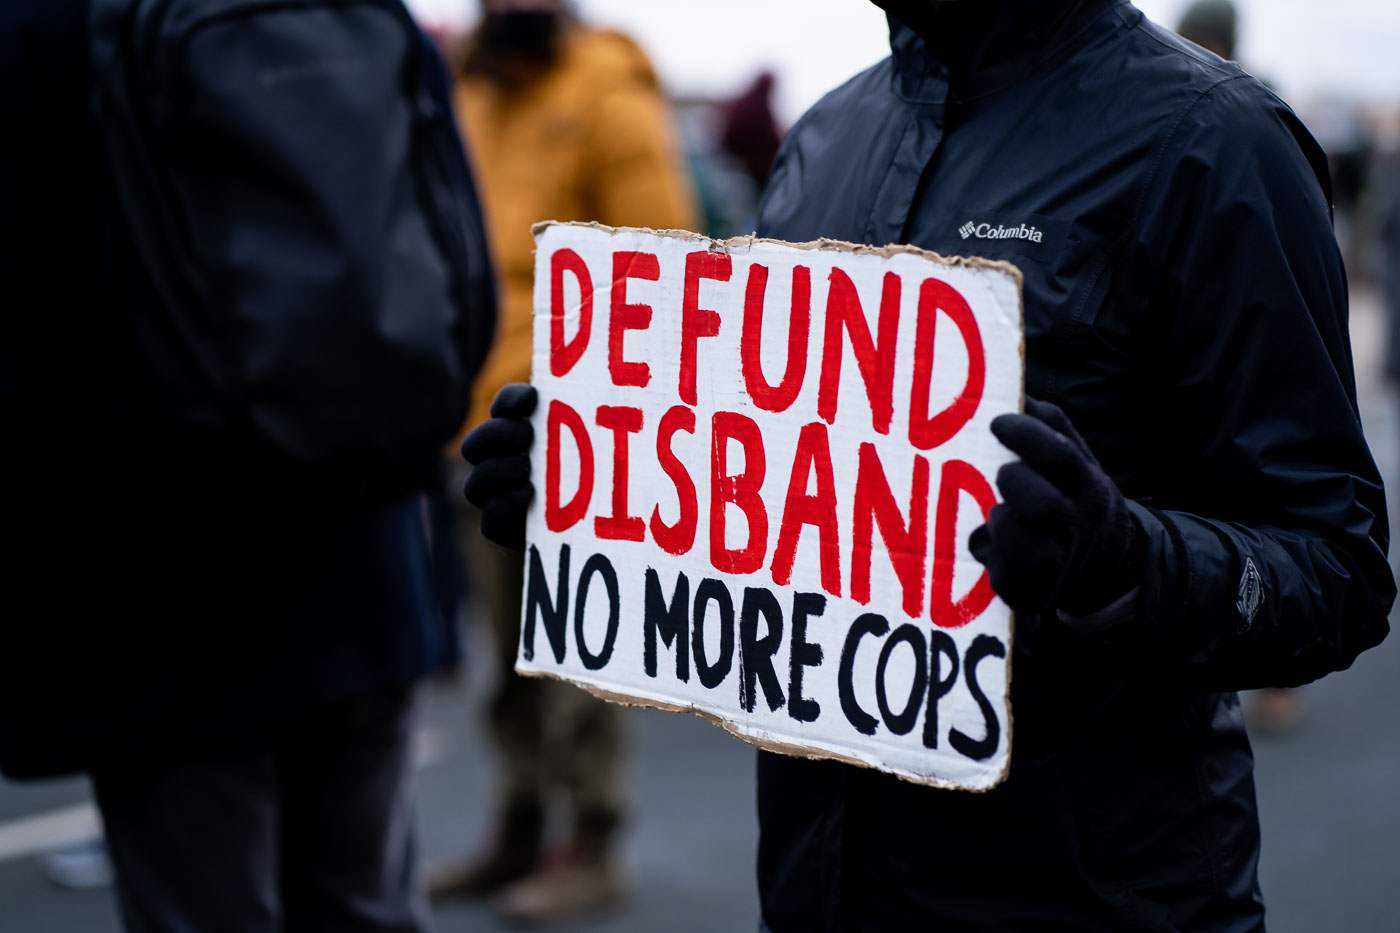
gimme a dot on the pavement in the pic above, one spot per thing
(1328, 795)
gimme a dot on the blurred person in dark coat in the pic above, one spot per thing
(1388, 209)
(234, 668)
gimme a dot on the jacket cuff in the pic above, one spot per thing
(1165, 578)
(1115, 613)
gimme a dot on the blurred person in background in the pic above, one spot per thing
(729, 144)
(1195, 509)
(564, 122)
(750, 132)
(1388, 211)
(227, 643)
(1211, 24)
(1341, 126)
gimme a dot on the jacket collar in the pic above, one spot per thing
(983, 46)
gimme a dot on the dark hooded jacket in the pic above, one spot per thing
(157, 601)
(1185, 304)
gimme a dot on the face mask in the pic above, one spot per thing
(530, 33)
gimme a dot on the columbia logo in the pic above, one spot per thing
(1251, 595)
(999, 232)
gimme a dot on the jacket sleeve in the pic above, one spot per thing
(1267, 558)
(633, 166)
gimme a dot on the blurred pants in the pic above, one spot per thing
(554, 738)
(315, 834)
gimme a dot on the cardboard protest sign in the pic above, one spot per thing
(756, 468)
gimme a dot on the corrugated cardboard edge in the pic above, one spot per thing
(834, 246)
(782, 748)
(823, 245)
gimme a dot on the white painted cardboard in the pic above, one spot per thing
(967, 743)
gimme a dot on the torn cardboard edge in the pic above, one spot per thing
(843, 247)
(820, 245)
(787, 748)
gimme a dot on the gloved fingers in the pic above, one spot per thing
(1025, 546)
(1054, 415)
(1045, 450)
(1031, 496)
(497, 437)
(516, 400)
(1025, 568)
(503, 518)
(980, 544)
(495, 476)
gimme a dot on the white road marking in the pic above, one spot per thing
(32, 834)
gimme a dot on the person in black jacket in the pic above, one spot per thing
(1195, 511)
(233, 668)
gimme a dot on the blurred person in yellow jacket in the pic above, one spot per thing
(563, 122)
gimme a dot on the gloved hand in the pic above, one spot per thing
(1063, 535)
(499, 448)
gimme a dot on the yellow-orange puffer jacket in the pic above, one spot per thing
(592, 140)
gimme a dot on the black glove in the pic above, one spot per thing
(499, 448)
(1063, 535)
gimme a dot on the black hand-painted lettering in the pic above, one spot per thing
(983, 748)
(709, 590)
(537, 599)
(803, 654)
(868, 624)
(903, 723)
(671, 621)
(941, 645)
(756, 654)
(597, 564)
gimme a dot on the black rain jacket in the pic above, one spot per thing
(154, 601)
(1185, 304)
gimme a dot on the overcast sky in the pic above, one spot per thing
(1307, 48)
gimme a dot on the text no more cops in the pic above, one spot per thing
(678, 623)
